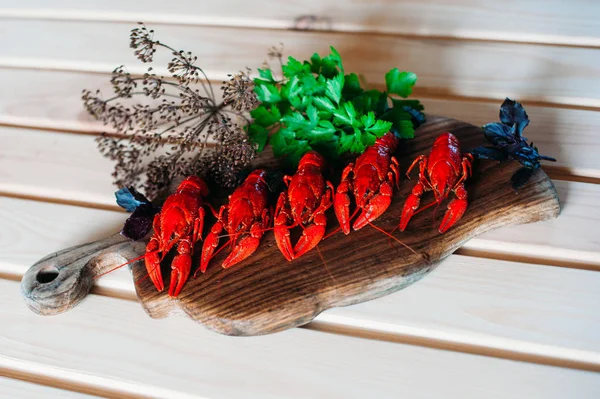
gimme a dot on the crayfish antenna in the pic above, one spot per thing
(393, 238)
(235, 234)
(139, 280)
(332, 233)
(434, 214)
(124, 264)
(228, 243)
(325, 264)
(340, 228)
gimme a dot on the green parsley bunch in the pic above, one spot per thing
(317, 107)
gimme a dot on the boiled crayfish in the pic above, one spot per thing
(444, 171)
(374, 175)
(303, 204)
(180, 224)
(245, 218)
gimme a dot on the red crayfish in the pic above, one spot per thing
(444, 171)
(180, 224)
(245, 218)
(303, 204)
(375, 173)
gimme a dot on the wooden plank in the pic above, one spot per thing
(543, 313)
(11, 388)
(40, 164)
(32, 229)
(566, 240)
(52, 100)
(569, 135)
(133, 354)
(464, 68)
(54, 165)
(522, 21)
(49, 99)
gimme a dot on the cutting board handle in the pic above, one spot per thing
(62, 279)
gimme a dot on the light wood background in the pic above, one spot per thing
(514, 314)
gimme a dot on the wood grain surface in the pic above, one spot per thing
(522, 21)
(113, 348)
(555, 74)
(265, 293)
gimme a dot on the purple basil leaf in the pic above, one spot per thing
(140, 222)
(489, 153)
(418, 117)
(138, 196)
(521, 177)
(512, 113)
(136, 228)
(526, 156)
(127, 200)
(498, 134)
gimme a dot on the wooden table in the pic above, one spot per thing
(513, 314)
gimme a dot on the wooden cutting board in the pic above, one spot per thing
(266, 294)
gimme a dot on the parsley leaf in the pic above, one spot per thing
(345, 115)
(294, 67)
(352, 87)
(324, 103)
(265, 117)
(315, 63)
(267, 93)
(259, 135)
(379, 128)
(318, 107)
(334, 88)
(400, 83)
(266, 74)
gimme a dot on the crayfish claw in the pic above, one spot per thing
(311, 236)
(282, 229)
(245, 247)
(456, 209)
(284, 243)
(152, 261)
(341, 206)
(376, 207)
(411, 205)
(181, 267)
(209, 246)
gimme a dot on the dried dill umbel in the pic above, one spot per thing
(178, 128)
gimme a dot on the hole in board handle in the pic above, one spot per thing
(47, 275)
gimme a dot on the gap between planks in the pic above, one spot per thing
(529, 259)
(62, 201)
(288, 25)
(388, 332)
(18, 386)
(72, 381)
